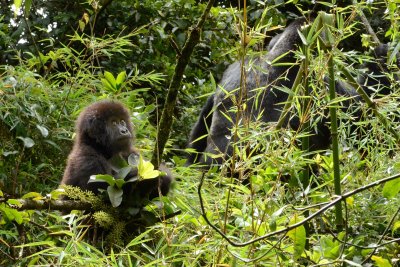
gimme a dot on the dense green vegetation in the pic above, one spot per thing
(56, 57)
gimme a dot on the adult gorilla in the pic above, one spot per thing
(259, 74)
(265, 98)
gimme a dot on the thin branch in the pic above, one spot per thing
(293, 226)
(7, 255)
(274, 246)
(175, 46)
(383, 235)
(366, 24)
(33, 39)
(395, 240)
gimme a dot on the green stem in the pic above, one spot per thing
(335, 143)
(288, 104)
(305, 141)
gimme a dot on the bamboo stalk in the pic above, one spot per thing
(335, 143)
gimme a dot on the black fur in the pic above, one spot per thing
(201, 127)
(263, 82)
(375, 79)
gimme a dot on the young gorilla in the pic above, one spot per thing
(265, 99)
(103, 130)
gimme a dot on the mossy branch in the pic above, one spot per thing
(51, 204)
(182, 61)
(64, 205)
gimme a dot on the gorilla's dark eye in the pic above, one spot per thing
(114, 122)
(123, 123)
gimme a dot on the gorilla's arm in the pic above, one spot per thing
(79, 174)
(201, 128)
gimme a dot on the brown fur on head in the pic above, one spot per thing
(103, 130)
(92, 127)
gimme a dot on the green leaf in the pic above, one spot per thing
(107, 85)
(120, 79)
(119, 183)
(115, 195)
(33, 195)
(328, 21)
(39, 243)
(396, 226)
(28, 4)
(17, 4)
(298, 236)
(391, 188)
(12, 214)
(133, 160)
(14, 202)
(17, 216)
(55, 194)
(381, 262)
(278, 212)
(102, 178)
(43, 130)
(330, 248)
(149, 108)
(28, 142)
(110, 78)
(272, 224)
(117, 162)
(146, 169)
(123, 172)
(81, 25)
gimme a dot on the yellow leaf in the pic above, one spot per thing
(81, 25)
(381, 262)
(350, 201)
(396, 226)
(146, 169)
(85, 18)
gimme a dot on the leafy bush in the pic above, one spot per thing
(127, 50)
